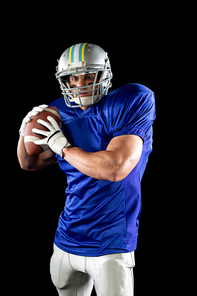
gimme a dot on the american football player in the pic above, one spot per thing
(103, 147)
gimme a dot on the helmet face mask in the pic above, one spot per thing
(70, 65)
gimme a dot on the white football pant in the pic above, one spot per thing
(111, 275)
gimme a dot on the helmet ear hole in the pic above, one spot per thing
(65, 81)
(67, 84)
(99, 75)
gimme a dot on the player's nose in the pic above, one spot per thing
(81, 82)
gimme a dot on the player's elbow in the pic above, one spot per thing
(122, 170)
(115, 178)
(26, 167)
(112, 175)
(117, 175)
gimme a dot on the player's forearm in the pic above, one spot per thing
(102, 165)
(25, 160)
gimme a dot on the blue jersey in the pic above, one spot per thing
(102, 217)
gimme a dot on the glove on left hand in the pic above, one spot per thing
(55, 139)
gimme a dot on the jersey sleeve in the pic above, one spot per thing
(134, 114)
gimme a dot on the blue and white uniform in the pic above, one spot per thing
(102, 217)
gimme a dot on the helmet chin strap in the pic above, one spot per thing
(84, 100)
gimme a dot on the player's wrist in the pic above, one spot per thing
(65, 150)
(57, 142)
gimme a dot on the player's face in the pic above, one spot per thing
(82, 80)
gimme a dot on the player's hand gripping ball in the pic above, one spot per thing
(31, 137)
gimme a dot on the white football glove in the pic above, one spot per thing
(55, 139)
(35, 111)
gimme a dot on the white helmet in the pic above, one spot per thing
(80, 59)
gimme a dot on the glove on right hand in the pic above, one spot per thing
(35, 111)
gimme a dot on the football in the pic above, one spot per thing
(30, 137)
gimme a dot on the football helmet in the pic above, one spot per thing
(81, 59)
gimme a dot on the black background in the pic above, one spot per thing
(139, 43)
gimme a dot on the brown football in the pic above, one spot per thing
(30, 137)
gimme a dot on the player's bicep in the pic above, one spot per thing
(127, 150)
(127, 146)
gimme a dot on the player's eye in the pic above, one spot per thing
(74, 78)
(90, 77)
(73, 86)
